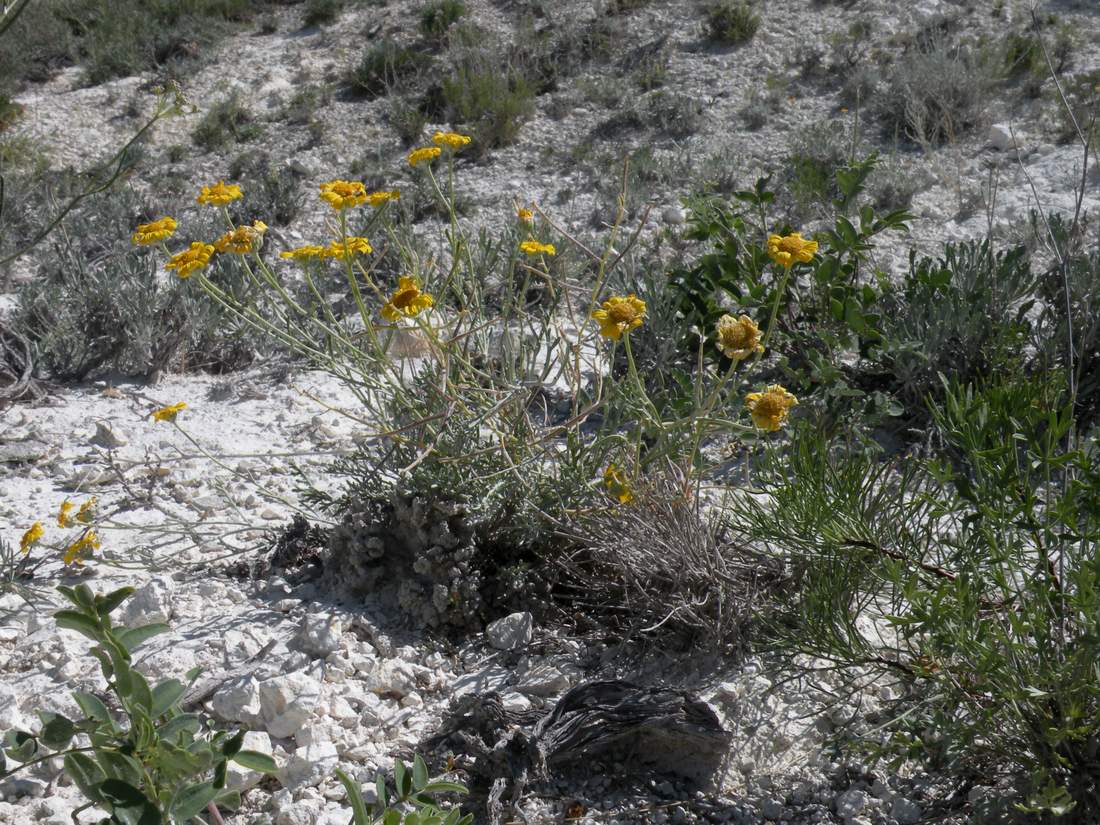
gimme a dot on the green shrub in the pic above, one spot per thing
(163, 765)
(490, 101)
(385, 65)
(318, 12)
(732, 22)
(437, 17)
(100, 304)
(228, 121)
(966, 576)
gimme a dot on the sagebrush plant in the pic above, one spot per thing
(148, 761)
(732, 22)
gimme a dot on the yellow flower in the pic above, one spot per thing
(345, 249)
(81, 548)
(220, 194)
(617, 485)
(376, 199)
(769, 408)
(64, 514)
(406, 301)
(155, 232)
(304, 252)
(169, 413)
(428, 153)
(191, 259)
(87, 511)
(452, 139)
(343, 194)
(243, 239)
(525, 215)
(532, 247)
(618, 315)
(791, 249)
(31, 537)
(738, 338)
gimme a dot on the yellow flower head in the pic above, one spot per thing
(525, 215)
(191, 259)
(304, 252)
(428, 153)
(406, 301)
(168, 413)
(617, 485)
(87, 510)
(769, 408)
(80, 549)
(155, 232)
(788, 250)
(64, 514)
(31, 537)
(618, 315)
(738, 338)
(343, 194)
(341, 250)
(450, 139)
(243, 239)
(532, 247)
(220, 194)
(376, 199)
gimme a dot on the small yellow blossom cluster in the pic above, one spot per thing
(347, 248)
(243, 239)
(738, 338)
(427, 153)
(79, 549)
(343, 194)
(194, 258)
(618, 315)
(406, 301)
(533, 247)
(150, 233)
(525, 216)
(168, 413)
(219, 194)
(618, 487)
(769, 409)
(452, 140)
(303, 253)
(787, 250)
(376, 199)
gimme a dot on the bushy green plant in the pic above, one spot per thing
(412, 796)
(101, 304)
(437, 17)
(385, 65)
(228, 121)
(318, 12)
(732, 22)
(155, 764)
(491, 100)
(966, 576)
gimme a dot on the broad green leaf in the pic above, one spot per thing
(420, 773)
(92, 707)
(380, 790)
(192, 800)
(71, 620)
(233, 744)
(20, 745)
(401, 779)
(105, 604)
(135, 636)
(359, 813)
(230, 800)
(443, 786)
(140, 692)
(57, 731)
(165, 696)
(188, 723)
(85, 774)
(391, 817)
(255, 761)
(120, 766)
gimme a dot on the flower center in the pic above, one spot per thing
(404, 298)
(622, 313)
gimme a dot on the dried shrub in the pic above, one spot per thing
(660, 568)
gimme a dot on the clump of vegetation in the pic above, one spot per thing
(227, 122)
(437, 18)
(732, 22)
(489, 99)
(385, 65)
(320, 12)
